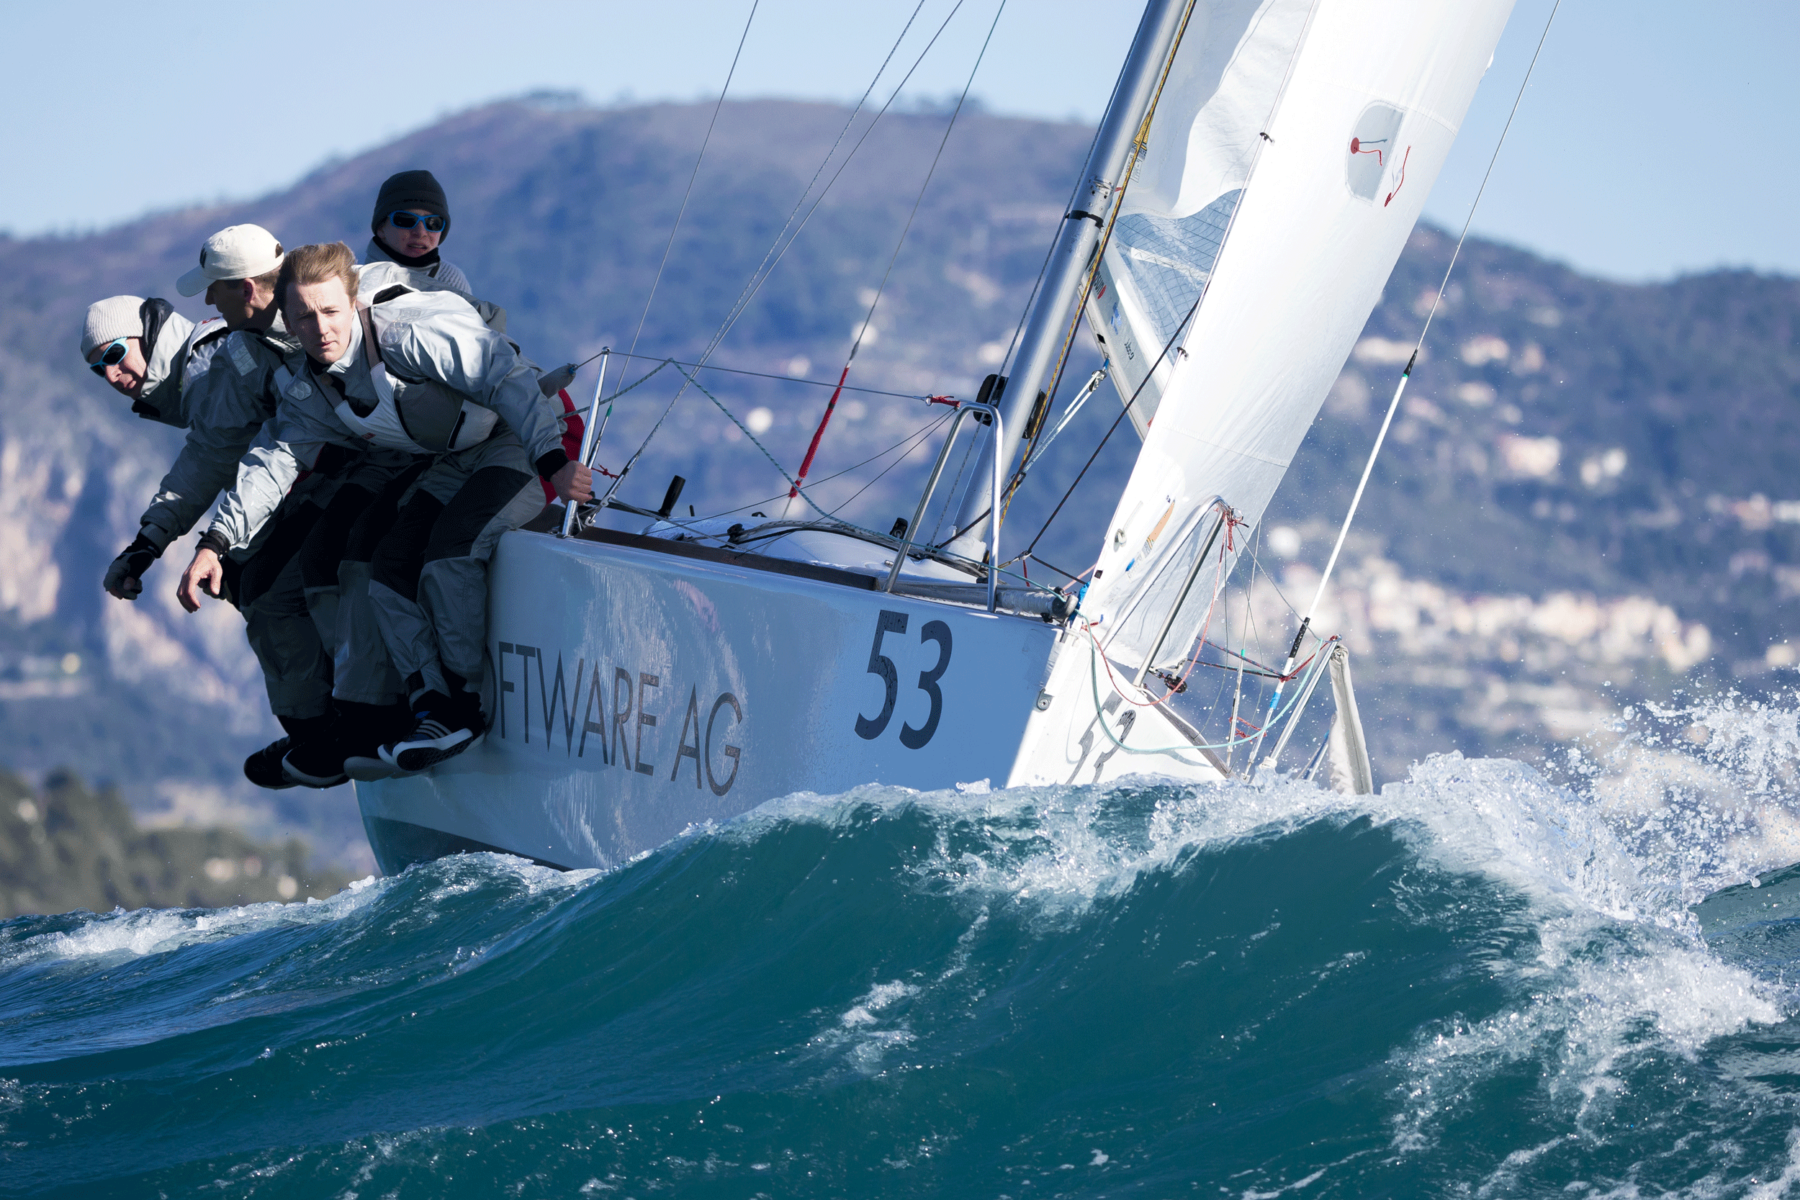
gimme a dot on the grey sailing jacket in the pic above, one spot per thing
(430, 339)
(160, 400)
(227, 392)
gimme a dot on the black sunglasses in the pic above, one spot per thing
(115, 353)
(402, 219)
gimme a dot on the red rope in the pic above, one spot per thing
(830, 407)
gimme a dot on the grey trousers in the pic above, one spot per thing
(428, 579)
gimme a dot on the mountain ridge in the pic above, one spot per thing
(1561, 436)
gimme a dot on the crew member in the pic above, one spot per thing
(411, 220)
(136, 346)
(418, 372)
(220, 388)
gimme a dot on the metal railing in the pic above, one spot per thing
(990, 413)
(590, 441)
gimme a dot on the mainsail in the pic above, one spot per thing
(1287, 160)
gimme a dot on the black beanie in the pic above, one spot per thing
(410, 189)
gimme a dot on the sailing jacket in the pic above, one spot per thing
(160, 398)
(444, 274)
(432, 379)
(227, 392)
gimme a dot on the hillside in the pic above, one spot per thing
(1585, 499)
(66, 846)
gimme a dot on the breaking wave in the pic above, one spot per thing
(1487, 980)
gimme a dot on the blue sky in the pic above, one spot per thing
(1656, 137)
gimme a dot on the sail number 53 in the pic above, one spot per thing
(882, 666)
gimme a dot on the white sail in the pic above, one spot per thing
(1287, 161)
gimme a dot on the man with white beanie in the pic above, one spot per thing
(137, 346)
(218, 383)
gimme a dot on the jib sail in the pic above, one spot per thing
(1285, 166)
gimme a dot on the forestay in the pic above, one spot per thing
(1287, 161)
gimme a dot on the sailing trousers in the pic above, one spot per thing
(428, 578)
(266, 587)
(334, 566)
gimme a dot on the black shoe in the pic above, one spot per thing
(443, 729)
(318, 763)
(375, 724)
(264, 767)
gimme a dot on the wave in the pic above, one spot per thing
(1484, 981)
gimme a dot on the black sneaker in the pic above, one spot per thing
(443, 729)
(375, 724)
(264, 767)
(317, 762)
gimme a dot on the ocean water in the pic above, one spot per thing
(1486, 981)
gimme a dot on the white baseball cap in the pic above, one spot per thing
(235, 252)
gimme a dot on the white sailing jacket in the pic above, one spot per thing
(442, 272)
(433, 380)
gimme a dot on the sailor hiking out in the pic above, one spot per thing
(138, 347)
(216, 380)
(418, 373)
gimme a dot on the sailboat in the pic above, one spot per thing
(1258, 170)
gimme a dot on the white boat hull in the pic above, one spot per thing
(635, 693)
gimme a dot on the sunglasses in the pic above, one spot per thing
(112, 356)
(401, 219)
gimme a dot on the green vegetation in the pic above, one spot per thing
(66, 846)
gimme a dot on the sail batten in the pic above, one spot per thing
(1288, 160)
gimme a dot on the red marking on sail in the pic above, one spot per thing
(1358, 146)
(1402, 183)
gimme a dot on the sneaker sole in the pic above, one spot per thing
(366, 769)
(411, 759)
(311, 781)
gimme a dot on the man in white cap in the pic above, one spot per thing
(221, 388)
(221, 410)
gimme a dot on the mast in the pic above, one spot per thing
(1073, 253)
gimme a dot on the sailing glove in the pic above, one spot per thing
(125, 577)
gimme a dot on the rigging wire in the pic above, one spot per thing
(824, 383)
(1405, 375)
(749, 286)
(733, 316)
(862, 329)
(1112, 429)
(1114, 201)
(738, 309)
(698, 159)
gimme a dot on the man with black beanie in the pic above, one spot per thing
(411, 219)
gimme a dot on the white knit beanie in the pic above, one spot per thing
(113, 317)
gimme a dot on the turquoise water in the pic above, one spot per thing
(1478, 983)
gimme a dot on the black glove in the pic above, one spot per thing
(124, 578)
